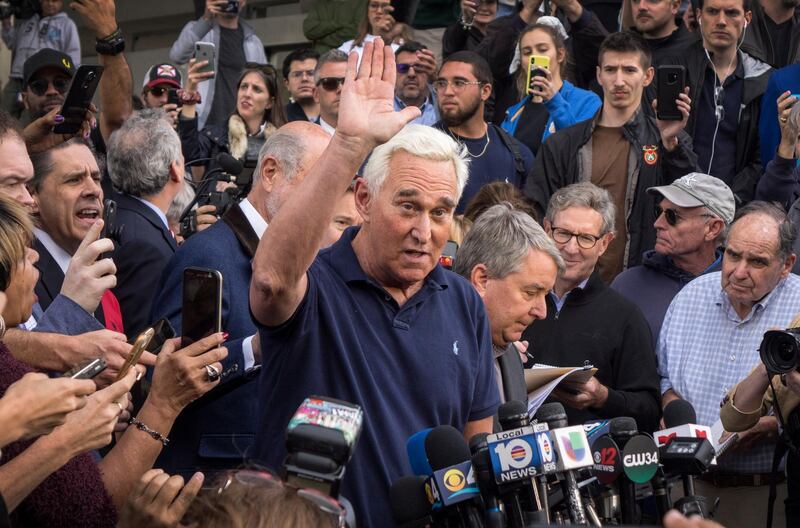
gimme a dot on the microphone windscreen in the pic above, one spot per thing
(553, 414)
(408, 499)
(623, 426)
(513, 414)
(415, 448)
(229, 164)
(445, 446)
(477, 442)
(679, 412)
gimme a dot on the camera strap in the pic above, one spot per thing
(785, 444)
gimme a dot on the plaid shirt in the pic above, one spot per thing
(705, 349)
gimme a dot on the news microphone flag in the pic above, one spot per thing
(572, 447)
(452, 485)
(640, 458)
(514, 455)
(686, 430)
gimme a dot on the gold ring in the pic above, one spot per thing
(121, 408)
(784, 119)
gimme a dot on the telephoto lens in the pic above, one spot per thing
(780, 350)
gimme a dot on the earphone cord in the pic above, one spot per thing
(718, 107)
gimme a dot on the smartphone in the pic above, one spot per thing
(110, 227)
(172, 97)
(231, 7)
(162, 331)
(202, 304)
(538, 66)
(670, 84)
(78, 99)
(325, 426)
(205, 51)
(448, 256)
(139, 346)
(86, 369)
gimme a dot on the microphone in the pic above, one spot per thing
(493, 517)
(680, 419)
(409, 502)
(453, 481)
(415, 447)
(229, 164)
(639, 463)
(572, 447)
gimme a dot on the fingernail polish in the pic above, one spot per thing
(225, 336)
(86, 135)
(59, 119)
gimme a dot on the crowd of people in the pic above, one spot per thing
(591, 231)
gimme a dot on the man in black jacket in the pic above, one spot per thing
(620, 149)
(657, 21)
(589, 323)
(726, 86)
(773, 35)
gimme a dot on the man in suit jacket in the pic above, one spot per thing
(145, 163)
(216, 432)
(513, 264)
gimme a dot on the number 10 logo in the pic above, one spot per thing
(515, 454)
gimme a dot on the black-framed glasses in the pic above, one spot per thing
(673, 217)
(585, 240)
(256, 477)
(40, 86)
(458, 85)
(330, 84)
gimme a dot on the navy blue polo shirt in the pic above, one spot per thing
(424, 364)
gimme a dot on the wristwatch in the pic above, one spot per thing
(114, 44)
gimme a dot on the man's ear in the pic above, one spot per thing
(486, 91)
(25, 100)
(714, 229)
(363, 199)
(479, 277)
(176, 171)
(649, 73)
(269, 170)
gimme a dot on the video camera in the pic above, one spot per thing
(229, 170)
(780, 350)
(20, 9)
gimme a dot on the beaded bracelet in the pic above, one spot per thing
(154, 434)
(188, 98)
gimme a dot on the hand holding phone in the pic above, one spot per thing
(139, 346)
(205, 51)
(87, 369)
(202, 304)
(669, 86)
(538, 81)
(79, 99)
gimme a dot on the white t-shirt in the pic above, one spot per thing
(347, 47)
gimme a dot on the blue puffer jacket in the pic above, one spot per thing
(569, 106)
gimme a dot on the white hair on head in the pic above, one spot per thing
(422, 142)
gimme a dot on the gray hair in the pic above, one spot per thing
(584, 194)
(787, 232)
(422, 142)
(333, 55)
(793, 122)
(180, 203)
(141, 151)
(285, 146)
(500, 239)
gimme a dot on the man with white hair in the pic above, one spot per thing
(145, 163)
(373, 319)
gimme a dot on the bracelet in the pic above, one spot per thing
(110, 38)
(154, 434)
(189, 98)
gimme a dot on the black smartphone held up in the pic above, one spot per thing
(79, 97)
(202, 304)
(110, 227)
(231, 7)
(86, 369)
(671, 83)
(162, 332)
(172, 97)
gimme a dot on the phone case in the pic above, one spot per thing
(78, 99)
(536, 62)
(205, 51)
(670, 84)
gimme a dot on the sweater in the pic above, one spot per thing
(652, 286)
(331, 22)
(598, 326)
(27, 36)
(73, 496)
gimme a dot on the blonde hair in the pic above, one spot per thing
(16, 236)
(459, 228)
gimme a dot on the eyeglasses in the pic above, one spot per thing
(330, 84)
(299, 74)
(40, 86)
(458, 85)
(673, 217)
(325, 503)
(586, 241)
(158, 91)
(377, 6)
(403, 68)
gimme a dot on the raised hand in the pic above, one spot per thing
(158, 500)
(786, 147)
(366, 107)
(88, 278)
(35, 404)
(39, 136)
(670, 129)
(100, 15)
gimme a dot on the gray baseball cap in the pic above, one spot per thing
(697, 189)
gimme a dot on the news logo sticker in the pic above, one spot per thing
(573, 447)
(640, 458)
(513, 459)
(455, 483)
(454, 480)
(546, 452)
(607, 460)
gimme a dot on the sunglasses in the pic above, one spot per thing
(330, 84)
(673, 217)
(158, 91)
(325, 503)
(40, 86)
(403, 68)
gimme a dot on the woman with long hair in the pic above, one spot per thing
(551, 102)
(259, 112)
(377, 22)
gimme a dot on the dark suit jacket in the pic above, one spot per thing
(145, 247)
(513, 375)
(51, 278)
(217, 431)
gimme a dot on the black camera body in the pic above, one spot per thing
(222, 200)
(780, 350)
(20, 9)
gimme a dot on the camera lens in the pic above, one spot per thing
(672, 78)
(779, 351)
(90, 76)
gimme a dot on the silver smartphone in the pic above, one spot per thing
(205, 51)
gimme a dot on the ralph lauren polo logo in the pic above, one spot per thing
(455, 347)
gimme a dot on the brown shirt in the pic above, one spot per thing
(610, 152)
